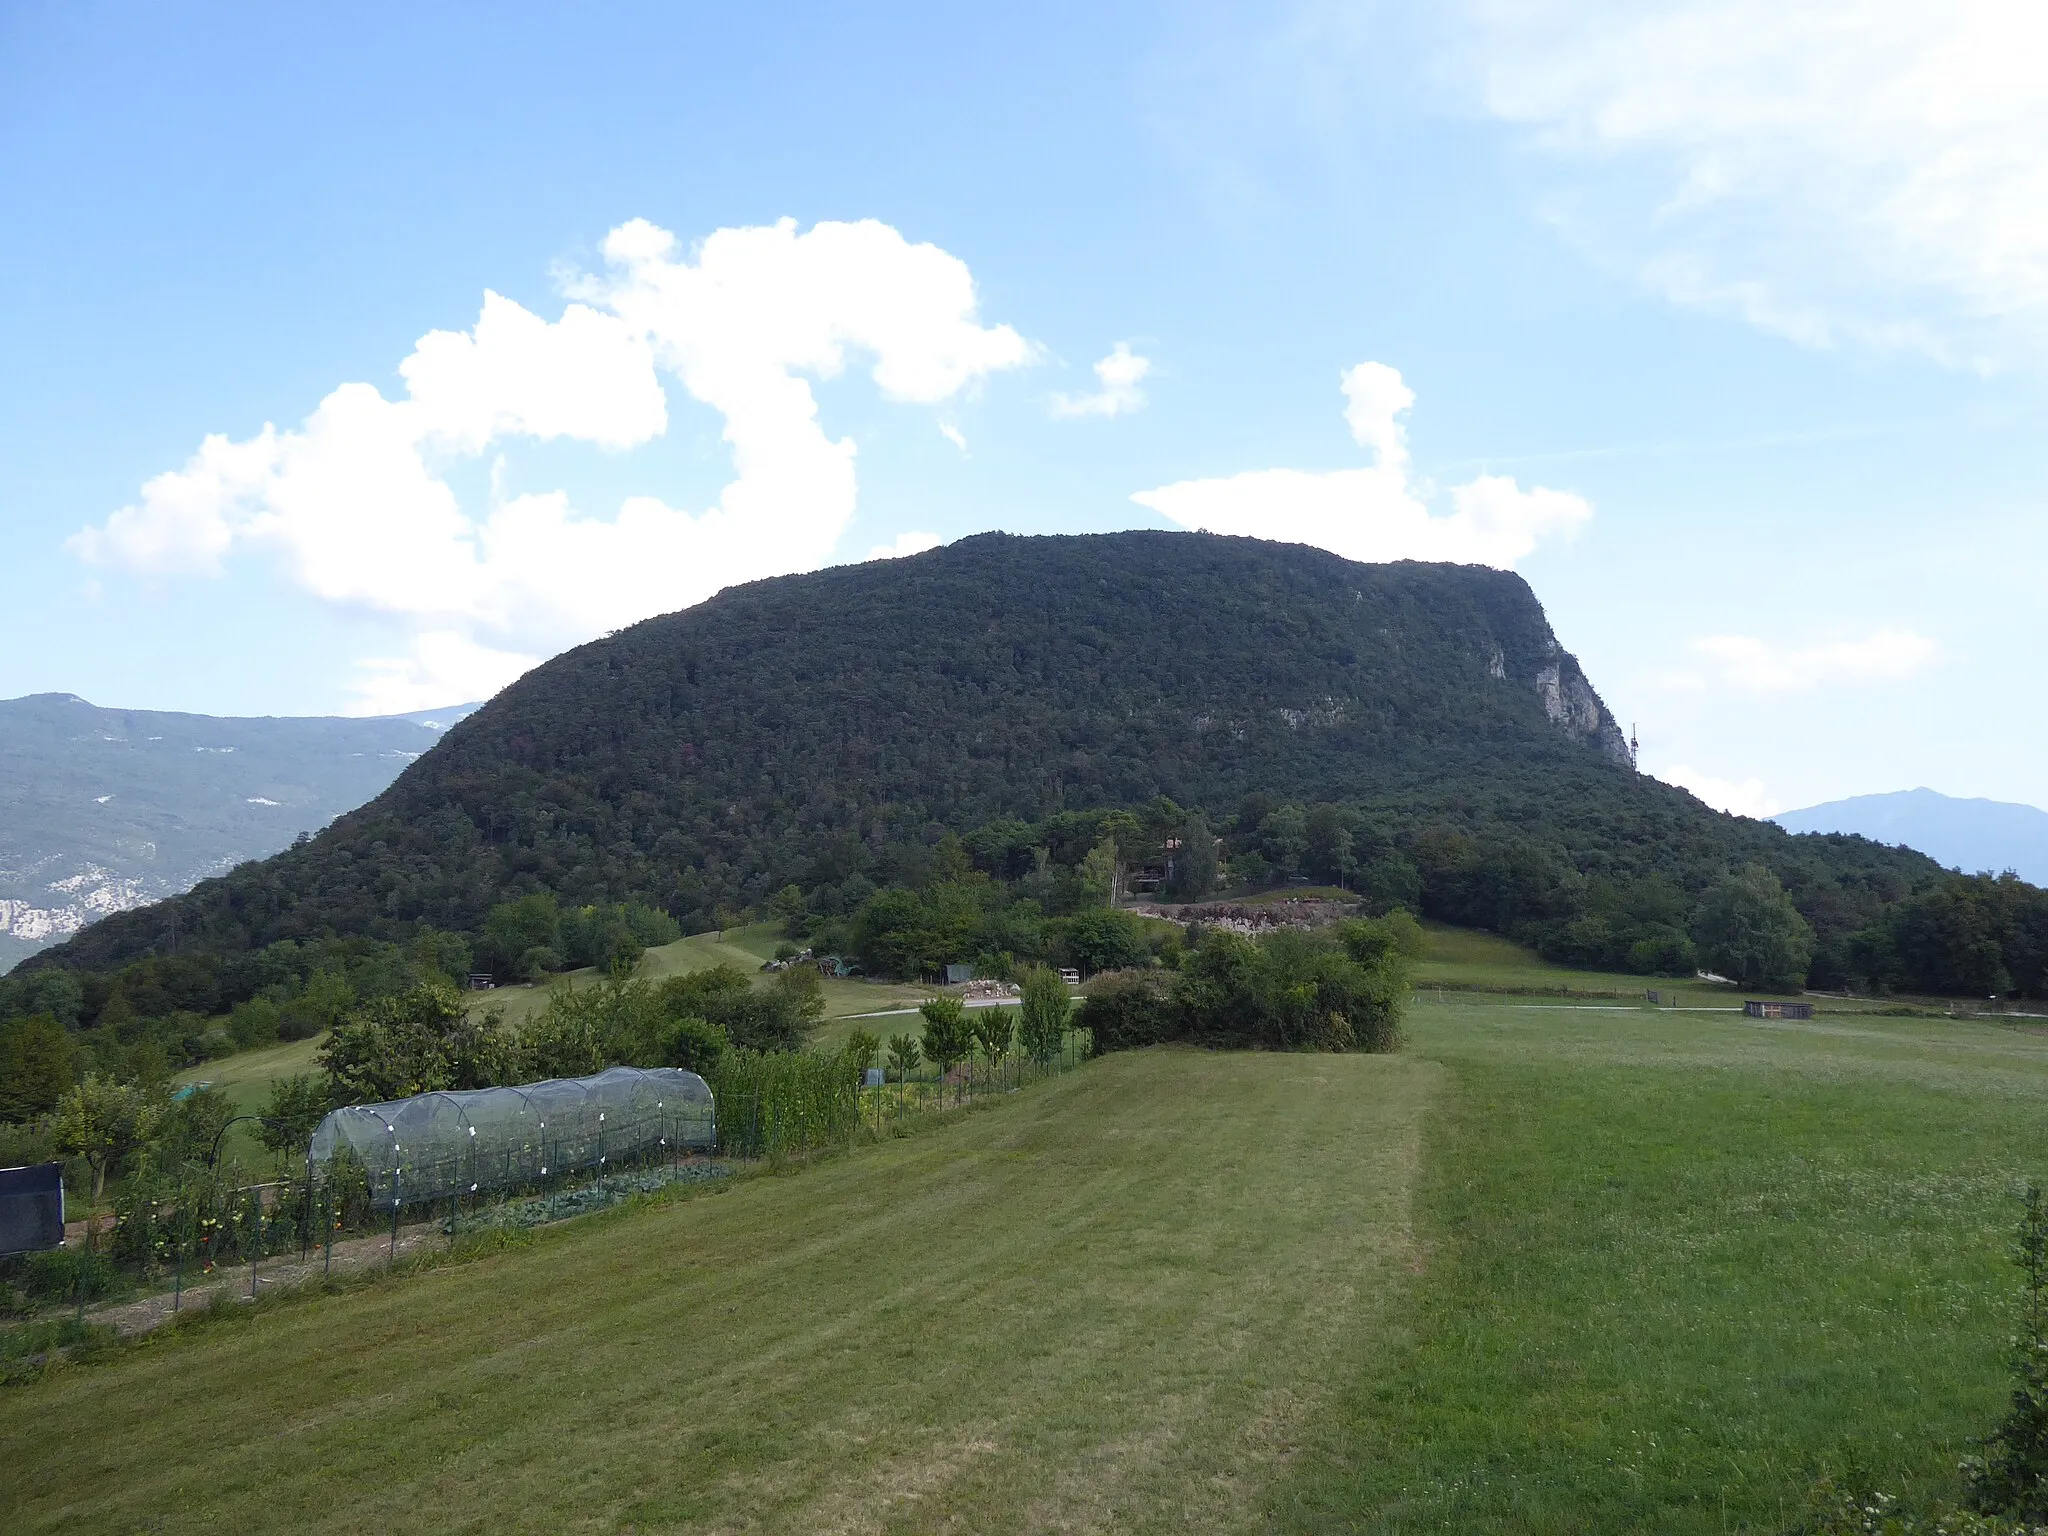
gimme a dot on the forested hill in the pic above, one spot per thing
(785, 731)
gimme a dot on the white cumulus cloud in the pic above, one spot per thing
(1744, 797)
(1120, 375)
(356, 508)
(1869, 170)
(1757, 665)
(1379, 512)
(906, 544)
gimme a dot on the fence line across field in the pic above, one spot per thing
(518, 1155)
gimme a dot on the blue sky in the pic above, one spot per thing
(1722, 323)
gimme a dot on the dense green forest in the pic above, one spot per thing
(969, 753)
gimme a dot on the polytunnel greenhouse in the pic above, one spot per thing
(441, 1145)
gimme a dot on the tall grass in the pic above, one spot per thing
(775, 1103)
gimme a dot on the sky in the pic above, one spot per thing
(354, 362)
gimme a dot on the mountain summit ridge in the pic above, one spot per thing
(701, 760)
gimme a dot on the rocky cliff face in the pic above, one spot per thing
(1573, 707)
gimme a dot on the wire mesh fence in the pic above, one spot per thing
(506, 1157)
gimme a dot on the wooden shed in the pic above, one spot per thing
(1757, 1010)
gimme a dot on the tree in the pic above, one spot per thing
(1104, 940)
(1748, 930)
(103, 1122)
(1283, 838)
(787, 907)
(904, 1055)
(1042, 1023)
(947, 1037)
(35, 1066)
(1193, 875)
(858, 1054)
(295, 1106)
(519, 937)
(189, 1127)
(1099, 874)
(421, 1041)
(324, 1003)
(994, 1031)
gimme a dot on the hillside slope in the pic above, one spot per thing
(712, 755)
(106, 809)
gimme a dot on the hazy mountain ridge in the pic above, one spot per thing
(103, 810)
(1972, 835)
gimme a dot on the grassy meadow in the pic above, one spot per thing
(748, 948)
(1553, 1268)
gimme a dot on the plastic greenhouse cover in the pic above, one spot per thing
(440, 1144)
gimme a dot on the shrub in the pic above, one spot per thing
(253, 1023)
(63, 1274)
(1128, 1010)
(1288, 990)
(2011, 1477)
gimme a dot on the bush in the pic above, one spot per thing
(1128, 1010)
(1289, 990)
(254, 1023)
(1663, 952)
(60, 1274)
(2011, 1477)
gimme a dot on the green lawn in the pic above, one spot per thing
(1551, 1269)
(247, 1078)
(1464, 958)
(1679, 1264)
(1115, 1302)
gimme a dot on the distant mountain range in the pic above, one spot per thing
(106, 809)
(1970, 835)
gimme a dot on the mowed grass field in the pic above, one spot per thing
(1551, 1269)
(1117, 1301)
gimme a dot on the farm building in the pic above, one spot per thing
(1758, 1010)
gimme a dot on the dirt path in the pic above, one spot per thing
(141, 1314)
